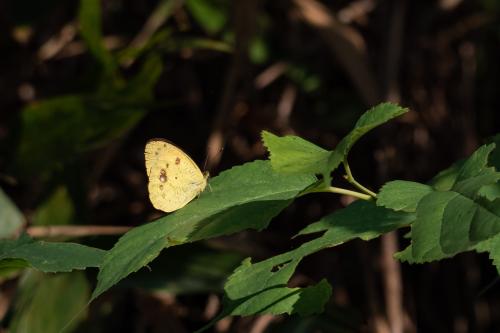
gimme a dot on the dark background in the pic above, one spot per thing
(226, 71)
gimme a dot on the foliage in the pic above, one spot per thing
(444, 221)
(457, 211)
(47, 256)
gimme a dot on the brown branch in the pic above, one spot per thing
(75, 231)
(393, 286)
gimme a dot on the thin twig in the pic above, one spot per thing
(75, 231)
(339, 190)
(353, 181)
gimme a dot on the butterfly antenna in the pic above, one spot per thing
(221, 149)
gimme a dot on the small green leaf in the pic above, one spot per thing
(11, 219)
(261, 289)
(445, 179)
(470, 187)
(250, 291)
(247, 196)
(475, 173)
(361, 219)
(292, 154)
(49, 256)
(295, 155)
(402, 195)
(372, 118)
(476, 163)
(490, 192)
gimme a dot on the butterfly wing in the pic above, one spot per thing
(174, 178)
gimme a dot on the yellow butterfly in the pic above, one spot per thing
(174, 178)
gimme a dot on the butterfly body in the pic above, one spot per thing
(174, 178)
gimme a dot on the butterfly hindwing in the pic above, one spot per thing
(174, 178)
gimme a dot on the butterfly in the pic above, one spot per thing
(174, 178)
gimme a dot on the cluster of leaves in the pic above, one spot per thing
(458, 211)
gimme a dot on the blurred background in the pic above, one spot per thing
(84, 85)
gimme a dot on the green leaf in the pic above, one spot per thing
(210, 14)
(246, 196)
(402, 195)
(459, 215)
(89, 17)
(361, 219)
(262, 287)
(292, 154)
(11, 219)
(296, 155)
(445, 179)
(475, 173)
(48, 256)
(490, 192)
(476, 163)
(187, 269)
(448, 223)
(46, 303)
(372, 118)
(470, 187)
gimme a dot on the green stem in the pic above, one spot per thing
(340, 190)
(353, 181)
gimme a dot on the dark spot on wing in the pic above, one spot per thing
(163, 176)
(177, 160)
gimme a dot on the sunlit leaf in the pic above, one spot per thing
(402, 195)
(247, 196)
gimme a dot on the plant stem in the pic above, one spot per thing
(340, 190)
(353, 181)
